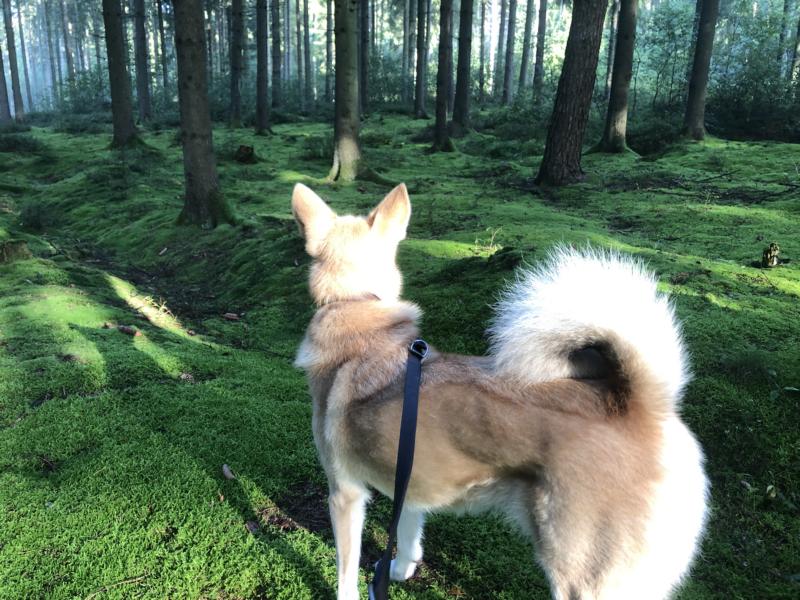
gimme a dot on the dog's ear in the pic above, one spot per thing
(313, 216)
(390, 217)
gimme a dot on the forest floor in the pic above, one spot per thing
(112, 445)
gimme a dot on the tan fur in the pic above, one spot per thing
(570, 462)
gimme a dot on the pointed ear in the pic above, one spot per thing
(313, 216)
(390, 217)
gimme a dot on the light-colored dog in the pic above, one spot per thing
(570, 426)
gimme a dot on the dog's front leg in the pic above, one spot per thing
(347, 506)
(409, 544)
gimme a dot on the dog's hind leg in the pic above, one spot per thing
(409, 544)
(347, 505)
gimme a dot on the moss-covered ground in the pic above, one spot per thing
(112, 445)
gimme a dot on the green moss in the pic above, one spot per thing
(111, 445)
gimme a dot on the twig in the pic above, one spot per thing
(713, 177)
(118, 583)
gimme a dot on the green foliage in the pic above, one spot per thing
(23, 143)
(77, 123)
(33, 216)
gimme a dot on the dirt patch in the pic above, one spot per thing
(303, 506)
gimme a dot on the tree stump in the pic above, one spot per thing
(245, 155)
(11, 250)
(769, 258)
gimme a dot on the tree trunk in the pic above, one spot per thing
(441, 137)
(482, 73)
(501, 50)
(298, 21)
(97, 33)
(526, 46)
(412, 48)
(464, 73)
(561, 162)
(346, 154)
(538, 68)
(203, 202)
(140, 58)
(5, 108)
(237, 36)
(262, 91)
(420, 88)
(404, 65)
(612, 41)
(19, 108)
(277, 81)
(29, 94)
(329, 52)
(121, 103)
(694, 120)
(784, 34)
(794, 69)
(508, 74)
(287, 39)
(67, 49)
(363, 55)
(53, 55)
(209, 28)
(164, 59)
(617, 118)
(308, 78)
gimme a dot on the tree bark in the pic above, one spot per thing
(329, 52)
(508, 73)
(464, 71)
(53, 55)
(784, 34)
(612, 41)
(164, 59)
(67, 49)
(561, 162)
(5, 107)
(96, 32)
(617, 117)
(308, 78)
(262, 90)
(237, 36)
(412, 49)
(420, 88)
(298, 21)
(277, 63)
(140, 59)
(526, 46)
(482, 73)
(19, 108)
(441, 137)
(538, 68)
(694, 120)
(29, 94)
(794, 69)
(287, 41)
(404, 65)
(203, 202)
(347, 153)
(363, 55)
(121, 103)
(501, 50)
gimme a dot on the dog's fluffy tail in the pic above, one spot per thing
(591, 314)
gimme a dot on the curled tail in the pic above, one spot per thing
(584, 308)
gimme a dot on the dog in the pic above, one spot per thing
(569, 427)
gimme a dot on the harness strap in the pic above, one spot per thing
(417, 351)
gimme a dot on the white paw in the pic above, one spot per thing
(401, 569)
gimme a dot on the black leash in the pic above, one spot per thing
(417, 351)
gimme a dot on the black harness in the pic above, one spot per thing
(417, 351)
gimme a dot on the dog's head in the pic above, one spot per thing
(354, 257)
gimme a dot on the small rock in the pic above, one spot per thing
(226, 471)
(188, 377)
(251, 526)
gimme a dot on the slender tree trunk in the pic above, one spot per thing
(501, 50)
(538, 68)
(561, 162)
(441, 137)
(19, 108)
(363, 55)
(698, 5)
(78, 37)
(617, 118)
(203, 202)
(508, 74)
(121, 103)
(298, 26)
(164, 58)
(694, 120)
(209, 28)
(67, 49)
(612, 42)
(464, 72)
(236, 38)
(5, 107)
(404, 66)
(784, 34)
(451, 88)
(794, 69)
(24, 56)
(287, 38)
(308, 78)
(412, 49)
(329, 52)
(262, 91)
(53, 55)
(420, 88)
(347, 154)
(97, 33)
(140, 58)
(526, 46)
(277, 81)
(482, 73)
